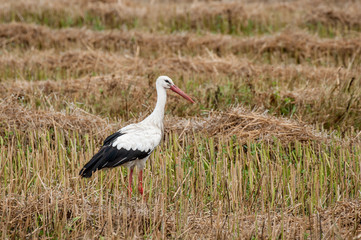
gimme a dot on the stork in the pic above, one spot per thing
(132, 145)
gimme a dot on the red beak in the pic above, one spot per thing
(174, 88)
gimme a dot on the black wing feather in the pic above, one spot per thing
(109, 156)
(110, 139)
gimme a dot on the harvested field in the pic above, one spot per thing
(34, 64)
(283, 90)
(287, 46)
(270, 150)
(15, 116)
(325, 19)
(238, 122)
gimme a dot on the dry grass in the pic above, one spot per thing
(288, 46)
(243, 198)
(34, 63)
(332, 94)
(245, 125)
(249, 126)
(237, 122)
(271, 150)
(227, 17)
(16, 116)
(348, 16)
(337, 221)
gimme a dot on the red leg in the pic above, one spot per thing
(140, 180)
(130, 182)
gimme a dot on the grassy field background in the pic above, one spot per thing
(271, 150)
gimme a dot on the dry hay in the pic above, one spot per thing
(79, 87)
(108, 10)
(235, 16)
(248, 125)
(298, 45)
(115, 13)
(309, 84)
(340, 220)
(14, 115)
(231, 66)
(333, 93)
(81, 62)
(199, 12)
(348, 16)
(65, 205)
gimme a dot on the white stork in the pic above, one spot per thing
(132, 145)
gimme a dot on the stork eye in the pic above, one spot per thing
(167, 81)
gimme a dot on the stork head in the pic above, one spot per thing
(167, 83)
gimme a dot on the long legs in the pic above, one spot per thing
(130, 182)
(140, 182)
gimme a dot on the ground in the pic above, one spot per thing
(270, 150)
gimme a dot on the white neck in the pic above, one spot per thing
(157, 115)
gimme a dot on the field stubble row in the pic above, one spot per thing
(327, 96)
(237, 122)
(34, 65)
(196, 186)
(287, 47)
(327, 20)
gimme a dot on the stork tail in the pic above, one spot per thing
(91, 166)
